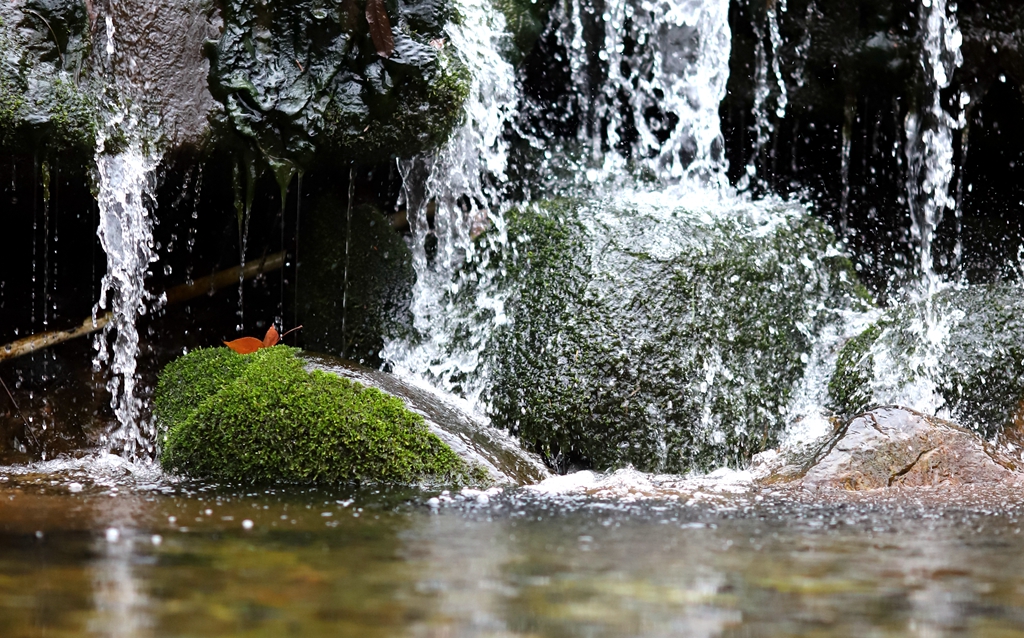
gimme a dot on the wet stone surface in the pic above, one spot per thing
(896, 447)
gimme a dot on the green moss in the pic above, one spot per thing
(264, 418)
(975, 367)
(665, 339)
(42, 106)
(848, 386)
(188, 381)
(525, 20)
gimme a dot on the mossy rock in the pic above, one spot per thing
(657, 336)
(45, 103)
(959, 354)
(525, 21)
(303, 79)
(353, 323)
(263, 418)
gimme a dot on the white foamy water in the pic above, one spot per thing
(461, 185)
(126, 234)
(929, 131)
(126, 158)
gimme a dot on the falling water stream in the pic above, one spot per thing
(125, 179)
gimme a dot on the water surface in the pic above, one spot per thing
(104, 548)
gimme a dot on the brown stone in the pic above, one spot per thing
(898, 447)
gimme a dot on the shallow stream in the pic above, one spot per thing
(101, 547)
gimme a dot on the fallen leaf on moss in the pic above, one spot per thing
(248, 345)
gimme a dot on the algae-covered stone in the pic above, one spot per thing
(356, 276)
(43, 100)
(657, 336)
(959, 353)
(304, 78)
(263, 418)
(525, 21)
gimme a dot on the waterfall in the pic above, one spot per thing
(126, 234)
(679, 67)
(452, 194)
(125, 179)
(656, 110)
(929, 131)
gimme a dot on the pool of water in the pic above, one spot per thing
(101, 547)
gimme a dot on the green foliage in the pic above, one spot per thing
(976, 368)
(263, 418)
(664, 339)
(380, 278)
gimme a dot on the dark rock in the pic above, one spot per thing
(352, 322)
(304, 79)
(45, 103)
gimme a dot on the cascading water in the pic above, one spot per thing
(665, 67)
(929, 131)
(124, 175)
(449, 196)
(126, 234)
(908, 374)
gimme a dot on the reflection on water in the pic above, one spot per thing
(119, 553)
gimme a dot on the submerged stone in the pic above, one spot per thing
(959, 353)
(264, 418)
(897, 447)
(655, 335)
(304, 79)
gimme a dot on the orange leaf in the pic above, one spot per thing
(271, 338)
(380, 28)
(245, 345)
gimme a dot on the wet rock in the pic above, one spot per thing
(45, 102)
(525, 21)
(263, 418)
(304, 79)
(959, 353)
(159, 65)
(350, 302)
(898, 447)
(480, 445)
(655, 335)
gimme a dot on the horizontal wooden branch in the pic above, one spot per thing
(202, 286)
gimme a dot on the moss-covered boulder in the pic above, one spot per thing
(656, 335)
(304, 78)
(351, 302)
(44, 104)
(264, 418)
(959, 354)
